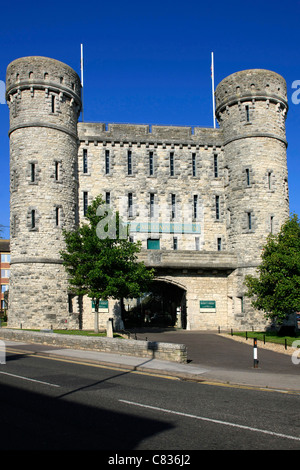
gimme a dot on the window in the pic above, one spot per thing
(4, 273)
(153, 244)
(172, 164)
(249, 217)
(107, 162)
(219, 244)
(33, 218)
(270, 180)
(152, 205)
(247, 113)
(195, 207)
(197, 243)
(129, 162)
(107, 198)
(218, 207)
(151, 171)
(85, 202)
(216, 169)
(57, 216)
(4, 287)
(173, 206)
(32, 172)
(56, 171)
(70, 303)
(52, 103)
(130, 208)
(175, 243)
(271, 223)
(194, 164)
(85, 161)
(247, 176)
(5, 258)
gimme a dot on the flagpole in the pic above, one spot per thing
(81, 68)
(213, 87)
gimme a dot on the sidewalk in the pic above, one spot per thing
(212, 358)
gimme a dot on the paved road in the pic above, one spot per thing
(52, 405)
(213, 350)
(212, 357)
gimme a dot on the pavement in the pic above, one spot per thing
(212, 358)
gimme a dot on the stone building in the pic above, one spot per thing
(201, 200)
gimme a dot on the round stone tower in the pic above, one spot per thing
(251, 108)
(43, 96)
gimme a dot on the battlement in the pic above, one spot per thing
(41, 72)
(147, 133)
(251, 84)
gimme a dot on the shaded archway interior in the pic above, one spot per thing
(163, 306)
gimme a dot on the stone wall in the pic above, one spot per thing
(148, 349)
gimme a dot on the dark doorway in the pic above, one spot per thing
(163, 306)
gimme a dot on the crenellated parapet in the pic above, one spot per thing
(47, 90)
(151, 135)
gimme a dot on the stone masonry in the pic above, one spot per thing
(202, 201)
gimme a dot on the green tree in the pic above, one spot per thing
(101, 261)
(276, 290)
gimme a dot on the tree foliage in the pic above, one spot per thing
(104, 264)
(276, 290)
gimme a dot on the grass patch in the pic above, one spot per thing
(84, 333)
(268, 337)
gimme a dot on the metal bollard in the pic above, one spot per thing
(255, 360)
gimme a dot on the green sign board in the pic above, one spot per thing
(207, 304)
(102, 304)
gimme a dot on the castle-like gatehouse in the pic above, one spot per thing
(201, 200)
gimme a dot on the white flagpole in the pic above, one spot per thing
(81, 68)
(213, 87)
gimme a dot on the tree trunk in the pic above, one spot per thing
(96, 316)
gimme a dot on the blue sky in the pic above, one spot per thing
(149, 62)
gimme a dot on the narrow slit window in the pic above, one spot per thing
(247, 110)
(173, 206)
(107, 198)
(130, 208)
(57, 216)
(249, 217)
(151, 171)
(247, 176)
(85, 161)
(271, 223)
(194, 164)
(85, 202)
(107, 162)
(33, 221)
(53, 103)
(216, 169)
(217, 207)
(270, 180)
(56, 171)
(129, 162)
(195, 207)
(219, 244)
(32, 172)
(172, 164)
(197, 244)
(175, 243)
(152, 205)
